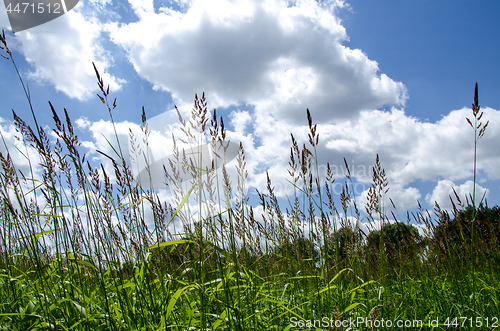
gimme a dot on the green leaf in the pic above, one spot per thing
(303, 277)
(338, 274)
(184, 200)
(35, 238)
(124, 286)
(174, 299)
(39, 234)
(171, 242)
(30, 308)
(219, 320)
(80, 309)
(362, 285)
(350, 307)
(87, 263)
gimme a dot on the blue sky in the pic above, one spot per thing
(387, 77)
(438, 49)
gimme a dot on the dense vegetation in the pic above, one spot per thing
(77, 253)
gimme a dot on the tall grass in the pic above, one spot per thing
(80, 253)
(479, 130)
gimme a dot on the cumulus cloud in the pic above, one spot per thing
(61, 53)
(446, 189)
(279, 57)
(82, 123)
(24, 157)
(403, 198)
(410, 150)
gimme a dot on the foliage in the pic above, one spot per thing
(301, 249)
(343, 244)
(453, 235)
(401, 243)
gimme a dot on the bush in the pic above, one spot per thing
(342, 245)
(400, 242)
(454, 236)
(300, 249)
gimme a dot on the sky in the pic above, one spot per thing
(387, 77)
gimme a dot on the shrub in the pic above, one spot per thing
(342, 245)
(400, 243)
(452, 236)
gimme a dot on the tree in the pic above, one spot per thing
(401, 243)
(342, 244)
(299, 249)
(185, 254)
(454, 237)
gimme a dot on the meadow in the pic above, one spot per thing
(77, 253)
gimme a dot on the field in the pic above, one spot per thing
(77, 253)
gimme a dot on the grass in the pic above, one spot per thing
(77, 253)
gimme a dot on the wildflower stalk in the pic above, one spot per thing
(479, 130)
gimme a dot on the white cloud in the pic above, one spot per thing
(410, 149)
(82, 122)
(444, 191)
(240, 120)
(62, 51)
(403, 198)
(24, 157)
(279, 57)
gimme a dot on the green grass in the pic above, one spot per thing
(76, 252)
